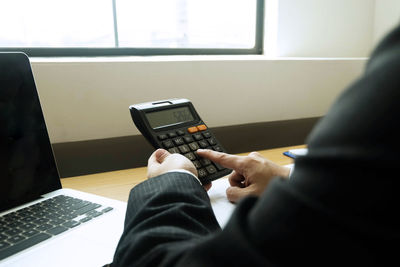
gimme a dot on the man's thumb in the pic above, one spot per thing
(161, 155)
(234, 193)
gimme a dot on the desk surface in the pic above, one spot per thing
(117, 184)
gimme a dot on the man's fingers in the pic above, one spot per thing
(226, 160)
(256, 155)
(207, 186)
(234, 194)
(236, 179)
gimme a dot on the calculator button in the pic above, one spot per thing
(180, 132)
(217, 148)
(197, 164)
(190, 156)
(205, 162)
(202, 173)
(219, 167)
(178, 141)
(202, 127)
(194, 146)
(197, 137)
(192, 129)
(172, 134)
(212, 141)
(207, 134)
(184, 149)
(203, 144)
(168, 144)
(174, 150)
(162, 137)
(188, 139)
(211, 169)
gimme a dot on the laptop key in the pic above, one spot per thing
(8, 251)
(80, 205)
(44, 227)
(4, 245)
(11, 217)
(3, 228)
(68, 217)
(28, 219)
(41, 221)
(3, 237)
(54, 216)
(71, 224)
(30, 233)
(87, 208)
(13, 232)
(93, 213)
(15, 224)
(107, 209)
(57, 221)
(27, 226)
(86, 219)
(15, 239)
(40, 214)
(57, 230)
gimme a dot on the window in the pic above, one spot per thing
(131, 27)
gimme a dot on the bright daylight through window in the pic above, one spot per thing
(128, 24)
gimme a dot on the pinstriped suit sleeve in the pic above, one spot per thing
(340, 207)
(166, 215)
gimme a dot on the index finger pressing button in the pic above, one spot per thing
(223, 159)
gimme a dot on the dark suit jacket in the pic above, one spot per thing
(340, 207)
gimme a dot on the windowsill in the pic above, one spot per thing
(185, 58)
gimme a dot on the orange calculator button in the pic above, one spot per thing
(202, 127)
(192, 129)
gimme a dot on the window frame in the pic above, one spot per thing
(127, 51)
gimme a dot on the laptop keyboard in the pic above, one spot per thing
(29, 226)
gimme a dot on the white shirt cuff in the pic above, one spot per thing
(291, 167)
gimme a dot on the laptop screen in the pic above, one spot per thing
(27, 164)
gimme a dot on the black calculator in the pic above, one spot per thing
(175, 125)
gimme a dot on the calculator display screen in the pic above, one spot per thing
(169, 117)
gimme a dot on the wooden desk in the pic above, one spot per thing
(117, 184)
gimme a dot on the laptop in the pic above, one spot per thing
(42, 224)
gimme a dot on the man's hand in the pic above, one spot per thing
(161, 161)
(251, 174)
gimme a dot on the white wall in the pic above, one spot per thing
(90, 99)
(387, 15)
(325, 28)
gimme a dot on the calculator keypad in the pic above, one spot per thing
(187, 141)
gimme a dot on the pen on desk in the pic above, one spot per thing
(293, 153)
(289, 154)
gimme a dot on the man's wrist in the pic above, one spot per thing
(185, 171)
